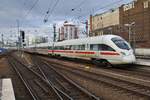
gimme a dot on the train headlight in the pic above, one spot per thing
(123, 53)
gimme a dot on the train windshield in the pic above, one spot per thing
(121, 43)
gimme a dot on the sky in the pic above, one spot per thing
(30, 14)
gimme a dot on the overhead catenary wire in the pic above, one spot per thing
(78, 6)
(101, 8)
(50, 11)
(35, 3)
(47, 12)
(75, 8)
(82, 17)
(28, 12)
(109, 5)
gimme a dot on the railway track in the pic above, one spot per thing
(137, 72)
(38, 87)
(143, 56)
(131, 85)
(62, 83)
(134, 70)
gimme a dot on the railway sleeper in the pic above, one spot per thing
(62, 84)
(40, 85)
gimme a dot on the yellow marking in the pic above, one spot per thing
(87, 67)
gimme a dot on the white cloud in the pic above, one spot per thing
(12, 10)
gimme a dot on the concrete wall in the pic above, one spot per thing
(143, 51)
(106, 19)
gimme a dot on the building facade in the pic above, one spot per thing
(137, 12)
(114, 22)
(68, 31)
(104, 23)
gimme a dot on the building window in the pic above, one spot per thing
(128, 6)
(101, 18)
(146, 4)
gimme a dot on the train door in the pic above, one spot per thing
(108, 53)
(94, 48)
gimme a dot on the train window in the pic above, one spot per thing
(56, 48)
(78, 47)
(43, 47)
(61, 48)
(82, 47)
(105, 47)
(94, 47)
(75, 47)
(68, 47)
(72, 47)
(50, 47)
(120, 43)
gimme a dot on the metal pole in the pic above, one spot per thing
(54, 39)
(130, 34)
(18, 35)
(134, 40)
(35, 43)
(134, 46)
(2, 40)
(87, 28)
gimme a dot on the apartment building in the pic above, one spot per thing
(68, 31)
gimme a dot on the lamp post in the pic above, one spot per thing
(110, 30)
(130, 26)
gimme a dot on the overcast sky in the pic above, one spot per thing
(31, 13)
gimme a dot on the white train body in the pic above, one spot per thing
(110, 48)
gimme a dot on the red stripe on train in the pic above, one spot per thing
(64, 51)
(61, 51)
(81, 52)
(109, 53)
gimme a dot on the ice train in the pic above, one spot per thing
(106, 49)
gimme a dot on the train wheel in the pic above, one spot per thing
(96, 62)
(102, 62)
(106, 63)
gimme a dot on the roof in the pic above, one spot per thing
(89, 40)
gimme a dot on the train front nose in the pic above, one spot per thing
(129, 57)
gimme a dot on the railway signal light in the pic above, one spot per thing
(22, 33)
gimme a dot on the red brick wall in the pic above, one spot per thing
(141, 17)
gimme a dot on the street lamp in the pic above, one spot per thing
(110, 30)
(129, 29)
(130, 32)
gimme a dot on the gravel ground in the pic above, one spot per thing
(6, 71)
(105, 91)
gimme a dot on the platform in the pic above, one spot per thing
(145, 62)
(6, 90)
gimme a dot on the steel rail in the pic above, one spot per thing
(56, 89)
(35, 97)
(70, 81)
(72, 70)
(45, 80)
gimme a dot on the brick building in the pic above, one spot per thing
(138, 12)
